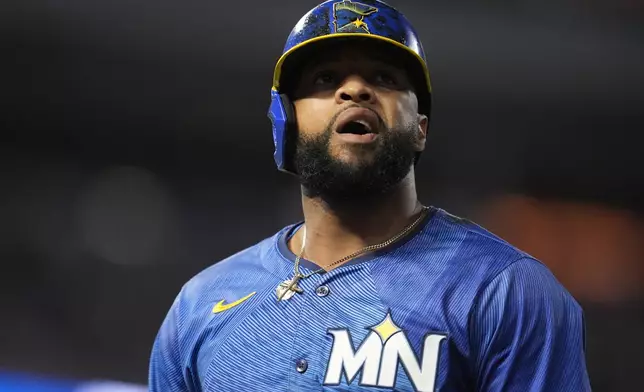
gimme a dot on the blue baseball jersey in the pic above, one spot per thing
(450, 307)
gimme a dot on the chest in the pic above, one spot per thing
(335, 335)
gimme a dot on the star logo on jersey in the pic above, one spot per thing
(379, 355)
(222, 307)
(348, 16)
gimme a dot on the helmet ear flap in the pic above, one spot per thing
(291, 134)
(282, 116)
(289, 108)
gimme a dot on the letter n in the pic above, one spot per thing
(423, 375)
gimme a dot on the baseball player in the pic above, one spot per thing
(372, 291)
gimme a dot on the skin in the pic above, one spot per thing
(328, 86)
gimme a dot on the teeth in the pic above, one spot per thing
(364, 124)
(358, 127)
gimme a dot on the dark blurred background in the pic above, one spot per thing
(136, 151)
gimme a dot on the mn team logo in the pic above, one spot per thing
(379, 355)
(349, 16)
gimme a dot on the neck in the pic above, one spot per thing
(335, 230)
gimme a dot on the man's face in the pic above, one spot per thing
(359, 127)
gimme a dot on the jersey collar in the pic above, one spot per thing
(287, 234)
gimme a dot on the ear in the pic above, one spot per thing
(423, 123)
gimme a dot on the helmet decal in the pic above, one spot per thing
(348, 16)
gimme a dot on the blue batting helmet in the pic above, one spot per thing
(336, 21)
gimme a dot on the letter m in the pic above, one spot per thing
(344, 359)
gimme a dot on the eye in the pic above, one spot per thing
(324, 78)
(385, 78)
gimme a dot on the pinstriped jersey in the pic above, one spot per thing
(450, 307)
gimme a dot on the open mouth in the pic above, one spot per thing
(356, 127)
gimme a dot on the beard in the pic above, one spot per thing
(338, 182)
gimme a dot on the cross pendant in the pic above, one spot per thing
(288, 288)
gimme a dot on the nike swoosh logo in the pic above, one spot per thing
(221, 307)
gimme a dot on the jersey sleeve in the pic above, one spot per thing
(528, 334)
(166, 369)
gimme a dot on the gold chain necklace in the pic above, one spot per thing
(288, 288)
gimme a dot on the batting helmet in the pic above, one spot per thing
(336, 21)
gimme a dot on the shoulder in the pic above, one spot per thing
(473, 240)
(526, 288)
(453, 261)
(489, 262)
(453, 247)
(236, 273)
(247, 271)
(191, 314)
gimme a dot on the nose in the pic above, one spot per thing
(354, 89)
